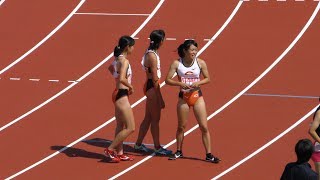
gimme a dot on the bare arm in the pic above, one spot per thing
(153, 65)
(314, 126)
(124, 64)
(173, 68)
(205, 74)
(111, 69)
(152, 61)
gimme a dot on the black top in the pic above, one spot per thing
(297, 171)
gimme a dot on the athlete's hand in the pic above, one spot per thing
(195, 85)
(162, 104)
(131, 90)
(184, 86)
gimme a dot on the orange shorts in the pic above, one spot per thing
(190, 97)
(118, 93)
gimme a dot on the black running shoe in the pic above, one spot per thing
(176, 155)
(213, 159)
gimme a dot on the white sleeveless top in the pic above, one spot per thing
(158, 62)
(189, 75)
(116, 72)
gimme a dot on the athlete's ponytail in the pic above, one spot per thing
(156, 37)
(124, 41)
(185, 46)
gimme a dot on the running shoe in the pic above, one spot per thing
(176, 155)
(141, 148)
(162, 151)
(112, 155)
(124, 157)
(213, 159)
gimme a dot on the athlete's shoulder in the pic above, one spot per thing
(201, 62)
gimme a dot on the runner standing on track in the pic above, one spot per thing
(188, 68)
(121, 71)
(151, 64)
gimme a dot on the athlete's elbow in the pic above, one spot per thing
(208, 80)
(122, 81)
(167, 81)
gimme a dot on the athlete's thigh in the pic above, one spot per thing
(200, 112)
(125, 112)
(182, 112)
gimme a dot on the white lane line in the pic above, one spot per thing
(2, 1)
(34, 79)
(162, 84)
(289, 129)
(238, 95)
(53, 80)
(267, 144)
(14, 79)
(171, 39)
(111, 14)
(281, 96)
(82, 77)
(73, 81)
(44, 39)
(112, 119)
(66, 89)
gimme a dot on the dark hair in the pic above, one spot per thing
(124, 41)
(156, 37)
(304, 149)
(185, 46)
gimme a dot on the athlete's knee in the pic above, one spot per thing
(131, 129)
(181, 128)
(204, 129)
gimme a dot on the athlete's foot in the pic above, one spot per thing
(124, 157)
(211, 158)
(162, 151)
(176, 155)
(111, 154)
(141, 148)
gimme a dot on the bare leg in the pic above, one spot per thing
(144, 127)
(119, 128)
(155, 113)
(182, 111)
(126, 115)
(201, 116)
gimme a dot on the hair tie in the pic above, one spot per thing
(151, 42)
(118, 47)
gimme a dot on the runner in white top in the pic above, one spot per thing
(189, 74)
(121, 71)
(146, 68)
(115, 65)
(189, 68)
(151, 65)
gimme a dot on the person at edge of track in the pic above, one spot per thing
(314, 131)
(121, 71)
(189, 68)
(154, 103)
(301, 169)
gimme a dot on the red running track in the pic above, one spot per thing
(84, 108)
(25, 23)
